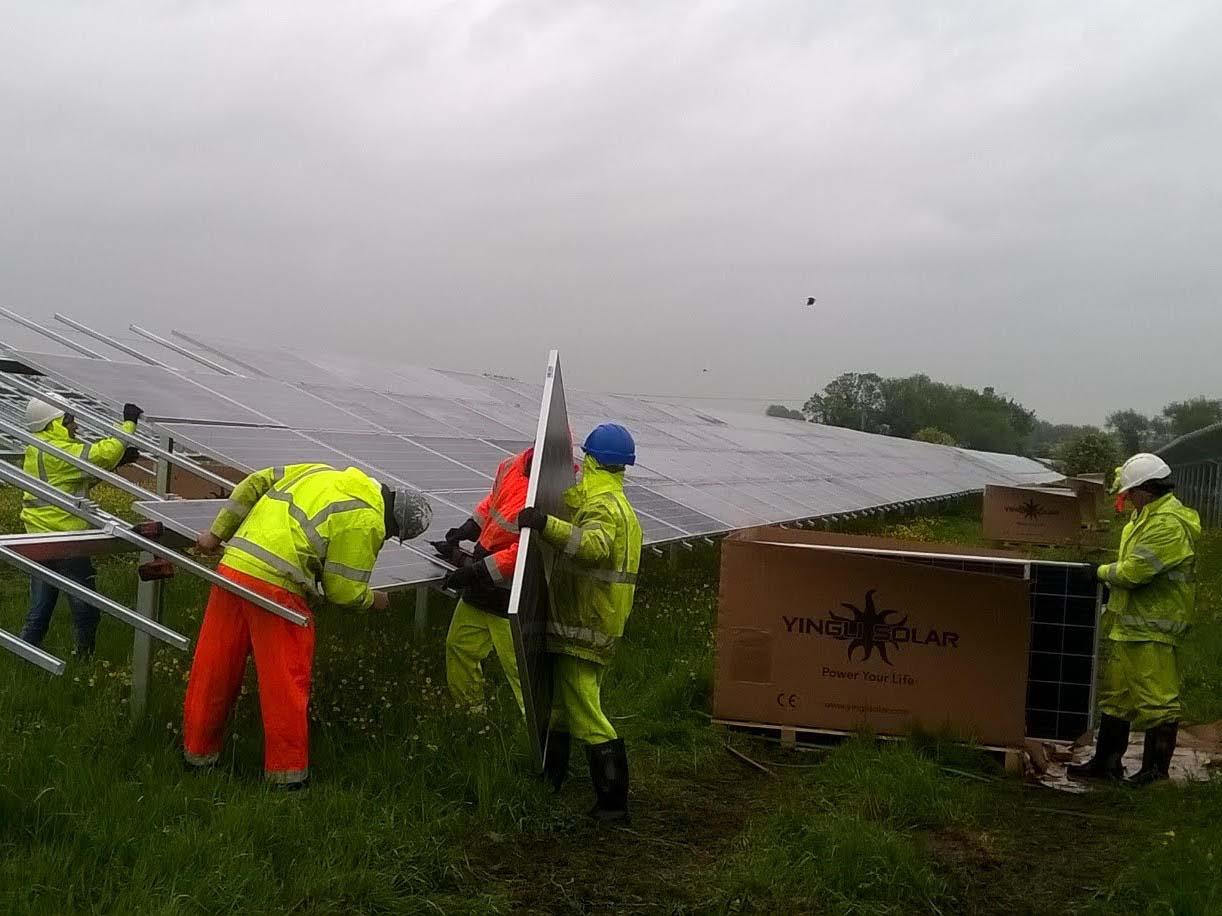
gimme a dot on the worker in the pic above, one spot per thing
(1151, 594)
(591, 591)
(481, 618)
(295, 535)
(58, 428)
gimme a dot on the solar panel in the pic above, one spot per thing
(407, 461)
(252, 449)
(381, 410)
(474, 453)
(673, 515)
(284, 404)
(468, 418)
(262, 360)
(163, 393)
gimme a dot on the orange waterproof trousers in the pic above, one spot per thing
(284, 662)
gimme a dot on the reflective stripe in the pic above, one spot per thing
(1108, 574)
(317, 541)
(200, 760)
(237, 507)
(481, 518)
(1179, 575)
(573, 544)
(346, 505)
(1150, 557)
(1170, 627)
(277, 563)
(277, 475)
(42, 467)
(614, 576)
(494, 571)
(582, 634)
(511, 527)
(348, 572)
(85, 451)
(285, 777)
(293, 481)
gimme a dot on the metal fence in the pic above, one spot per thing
(1196, 468)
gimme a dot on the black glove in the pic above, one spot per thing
(445, 549)
(532, 517)
(464, 576)
(131, 413)
(130, 456)
(467, 531)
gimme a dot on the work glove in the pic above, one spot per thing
(130, 456)
(131, 413)
(445, 549)
(532, 517)
(466, 576)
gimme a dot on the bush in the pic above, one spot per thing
(933, 435)
(1088, 453)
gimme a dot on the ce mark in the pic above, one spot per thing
(787, 700)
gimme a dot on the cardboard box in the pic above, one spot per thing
(1095, 501)
(1033, 515)
(809, 638)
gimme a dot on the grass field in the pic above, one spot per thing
(417, 808)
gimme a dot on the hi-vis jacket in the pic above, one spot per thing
(105, 453)
(594, 579)
(1153, 582)
(497, 516)
(307, 528)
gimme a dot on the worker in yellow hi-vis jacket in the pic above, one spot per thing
(58, 428)
(1152, 589)
(300, 532)
(592, 587)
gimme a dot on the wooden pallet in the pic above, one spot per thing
(796, 738)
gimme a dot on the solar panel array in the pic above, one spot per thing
(444, 432)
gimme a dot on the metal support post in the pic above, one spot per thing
(149, 600)
(672, 557)
(422, 608)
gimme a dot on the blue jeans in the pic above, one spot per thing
(43, 597)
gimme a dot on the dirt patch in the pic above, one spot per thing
(682, 823)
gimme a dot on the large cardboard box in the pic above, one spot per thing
(809, 638)
(1032, 515)
(1093, 498)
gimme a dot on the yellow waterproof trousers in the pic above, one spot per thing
(472, 637)
(1141, 683)
(577, 700)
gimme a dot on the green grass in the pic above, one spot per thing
(416, 807)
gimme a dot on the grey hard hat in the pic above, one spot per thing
(412, 513)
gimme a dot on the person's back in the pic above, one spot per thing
(313, 531)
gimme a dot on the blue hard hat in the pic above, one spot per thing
(611, 444)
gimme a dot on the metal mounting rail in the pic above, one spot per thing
(110, 341)
(181, 351)
(52, 335)
(101, 424)
(101, 602)
(32, 654)
(99, 518)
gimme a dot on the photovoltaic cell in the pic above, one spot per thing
(677, 515)
(379, 410)
(468, 419)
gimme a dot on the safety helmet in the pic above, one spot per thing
(39, 413)
(611, 445)
(412, 512)
(1141, 468)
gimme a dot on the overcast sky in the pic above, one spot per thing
(1021, 195)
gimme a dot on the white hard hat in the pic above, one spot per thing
(1139, 469)
(39, 413)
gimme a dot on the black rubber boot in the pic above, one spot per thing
(556, 760)
(1111, 741)
(609, 772)
(1156, 754)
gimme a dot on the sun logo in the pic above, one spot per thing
(1032, 510)
(872, 628)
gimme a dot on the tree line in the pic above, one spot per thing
(918, 407)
